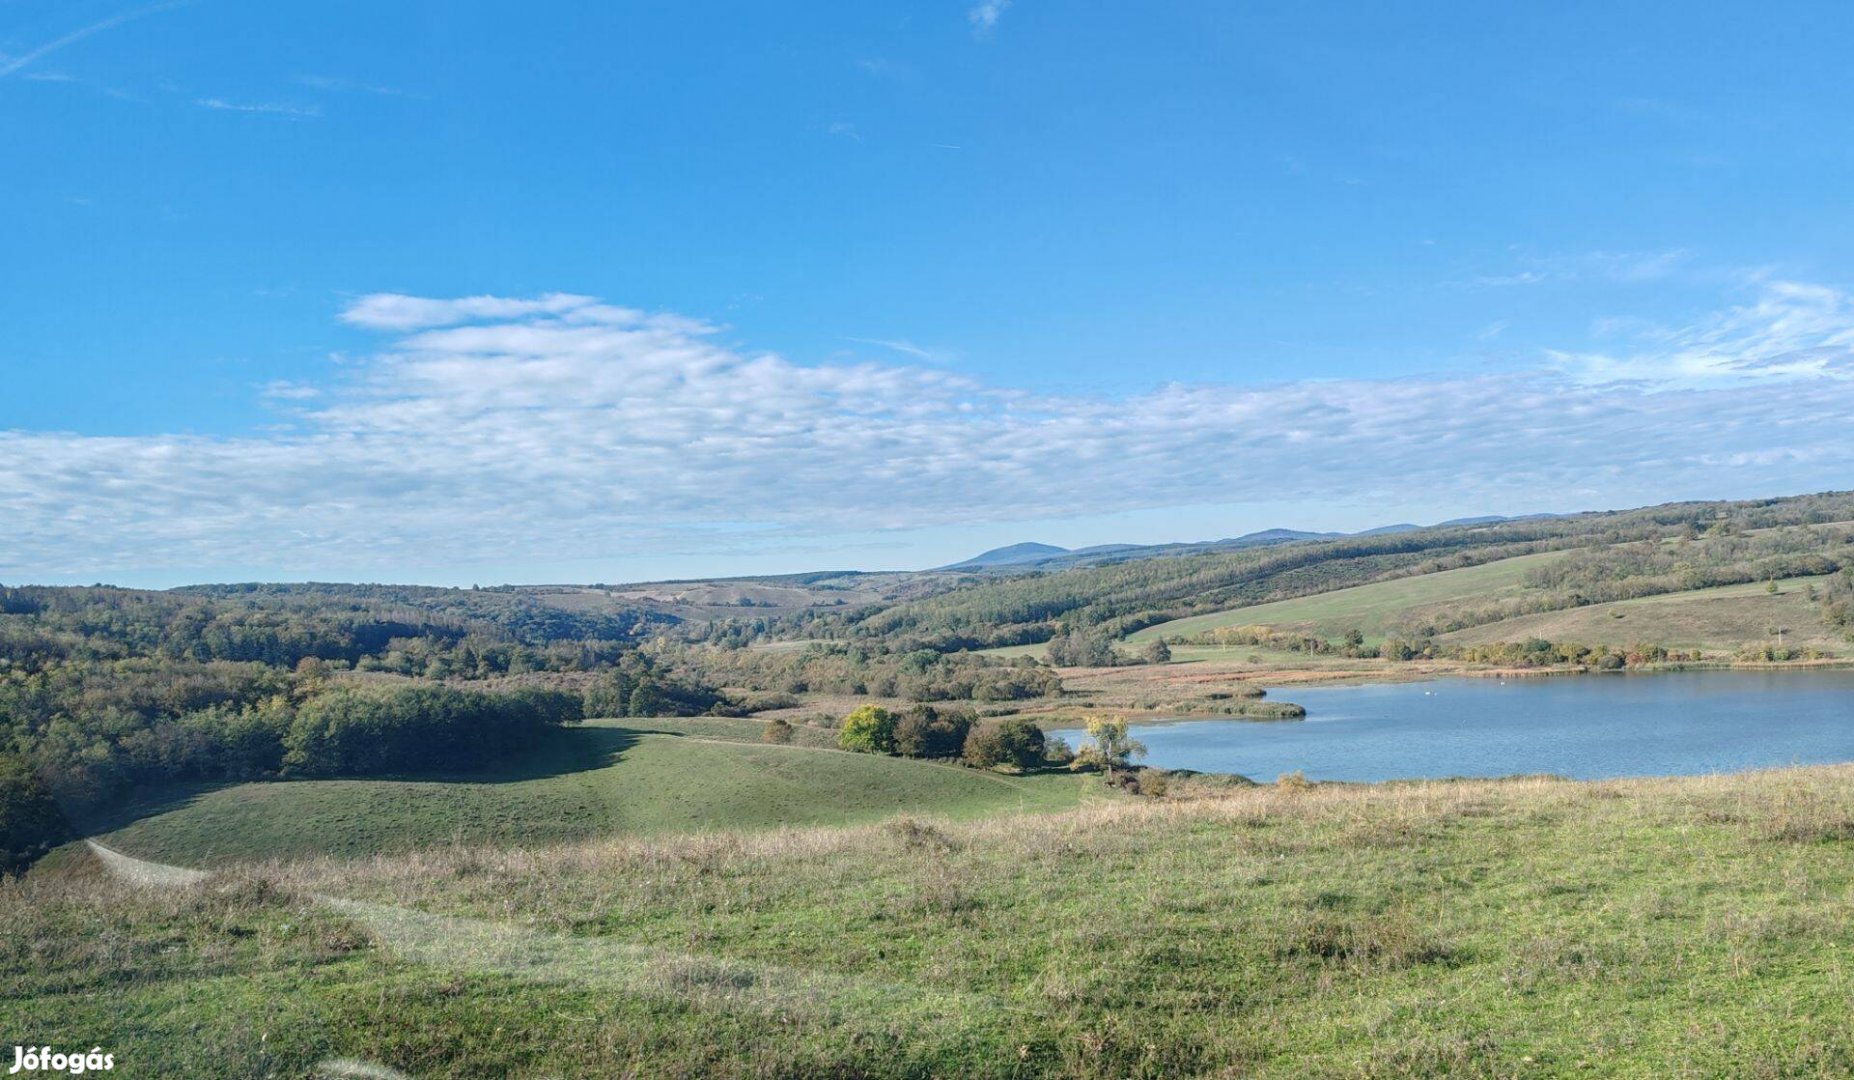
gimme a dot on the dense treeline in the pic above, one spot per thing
(1119, 598)
(873, 668)
(1352, 644)
(924, 731)
(31, 823)
(365, 627)
(1116, 599)
(90, 734)
(1537, 652)
(521, 615)
(356, 730)
(107, 691)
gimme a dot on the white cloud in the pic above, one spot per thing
(1614, 267)
(984, 15)
(1791, 331)
(274, 108)
(336, 85)
(507, 432)
(393, 311)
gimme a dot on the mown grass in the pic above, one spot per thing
(1371, 609)
(637, 777)
(1687, 927)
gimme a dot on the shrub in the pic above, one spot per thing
(778, 732)
(868, 730)
(1158, 652)
(1057, 752)
(1080, 649)
(926, 731)
(1012, 741)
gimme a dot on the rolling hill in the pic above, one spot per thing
(1712, 620)
(1372, 609)
(606, 778)
(1686, 927)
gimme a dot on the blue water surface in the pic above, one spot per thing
(1585, 726)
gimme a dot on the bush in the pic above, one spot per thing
(777, 732)
(1012, 741)
(1158, 652)
(1080, 649)
(868, 730)
(1057, 752)
(925, 731)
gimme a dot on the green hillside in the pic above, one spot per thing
(1691, 927)
(1372, 609)
(606, 778)
(1712, 620)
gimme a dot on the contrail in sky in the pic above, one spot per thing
(13, 64)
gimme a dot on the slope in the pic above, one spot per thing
(643, 778)
(1372, 609)
(1712, 620)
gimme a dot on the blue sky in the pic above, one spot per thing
(880, 284)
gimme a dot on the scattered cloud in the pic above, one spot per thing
(843, 130)
(1792, 331)
(394, 311)
(13, 64)
(983, 16)
(284, 390)
(272, 108)
(1637, 267)
(335, 85)
(496, 430)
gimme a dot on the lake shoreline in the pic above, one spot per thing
(1718, 718)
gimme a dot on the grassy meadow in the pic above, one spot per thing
(1713, 620)
(1680, 927)
(600, 779)
(1371, 609)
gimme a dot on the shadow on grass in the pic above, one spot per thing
(560, 752)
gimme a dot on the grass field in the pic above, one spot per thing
(604, 778)
(1689, 927)
(1714, 620)
(1370, 609)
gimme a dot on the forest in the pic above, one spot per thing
(1615, 555)
(106, 692)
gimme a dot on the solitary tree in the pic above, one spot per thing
(1109, 747)
(868, 730)
(1014, 741)
(1158, 652)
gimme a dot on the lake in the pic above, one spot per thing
(1583, 726)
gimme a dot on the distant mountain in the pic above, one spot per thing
(1271, 536)
(1029, 556)
(1012, 555)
